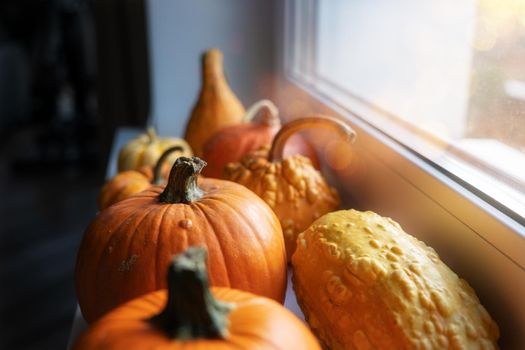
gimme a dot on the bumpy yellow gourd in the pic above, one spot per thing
(363, 283)
(146, 149)
(292, 187)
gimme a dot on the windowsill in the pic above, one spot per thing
(396, 156)
(477, 240)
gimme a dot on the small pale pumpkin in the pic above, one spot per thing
(125, 250)
(217, 105)
(129, 182)
(190, 315)
(363, 283)
(146, 149)
(293, 188)
(260, 124)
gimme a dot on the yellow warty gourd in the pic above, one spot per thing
(146, 149)
(363, 283)
(291, 186)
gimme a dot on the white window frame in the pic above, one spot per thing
(481, 242)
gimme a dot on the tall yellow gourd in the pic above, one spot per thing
(363, 283)
(217, 105)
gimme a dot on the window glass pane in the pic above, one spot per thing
(414, 66)
(453, 68)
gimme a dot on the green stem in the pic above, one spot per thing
(157, 171)
(182, 183)
(191, 311)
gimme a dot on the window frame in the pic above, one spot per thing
(456, 213)
(499, 189)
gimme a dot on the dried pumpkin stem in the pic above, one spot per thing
(191, 310)
(152, 135)
(182, 183)
(157, 171)
(262, 112)
(316, 121)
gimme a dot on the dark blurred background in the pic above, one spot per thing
(71, 72)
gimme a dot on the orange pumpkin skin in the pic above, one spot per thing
(231, 143)
(125, 250)
(123, 185)
(256, 323)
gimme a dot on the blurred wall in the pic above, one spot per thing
(181, 30)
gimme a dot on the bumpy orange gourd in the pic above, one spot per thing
(146, 149)
(125, 250)
(217, 106)
(293, 188)
(363, 283)
(260, 124)
(190, 315)
(127, 183)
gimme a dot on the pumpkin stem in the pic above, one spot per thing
(265, 110)
(152, 135)
(314, 122)
(191, 310)
(182, 183)
(157, 171)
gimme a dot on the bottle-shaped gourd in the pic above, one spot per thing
(217, 105)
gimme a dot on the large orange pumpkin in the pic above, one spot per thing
(295, 190)
(260, 124)
(127, 183)
(125, 250)
(191, 316)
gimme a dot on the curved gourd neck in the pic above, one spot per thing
(316, 121)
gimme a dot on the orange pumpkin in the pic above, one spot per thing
(125, 250)
(293, 188)
(191, 316)
(217, 106)
(129, 182)
(261, 123)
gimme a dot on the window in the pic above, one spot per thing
(444, 78)
(435, 90)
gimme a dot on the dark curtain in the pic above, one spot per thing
(123, 65)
